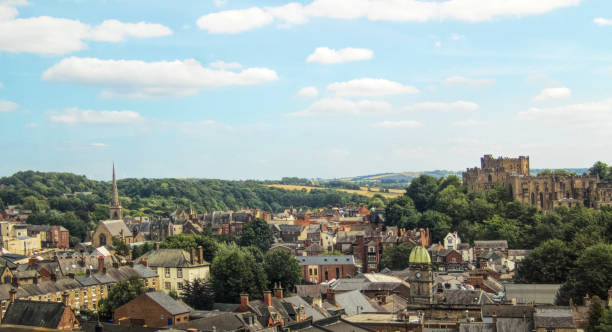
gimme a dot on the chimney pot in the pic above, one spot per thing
(244, 301)
(201, 255)
(268, 297)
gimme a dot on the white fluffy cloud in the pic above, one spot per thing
(225, 65)
(335, 106)
(468, 123)
(398, 124)
(51, 35)
(431, 106)
(602, 21)
(328, 56)
(591, 115)
(308, 92)
(370, 87)
(466, 81)
(552, 94)
(115, 31)
(75, 116)
(7, 106)
(139, 79)
(234, 21)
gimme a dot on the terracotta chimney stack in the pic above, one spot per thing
(33, 261)
(201, 255)
(101, 264)
(244, 302)
(193, 256)
(278, 290)
(268, 297)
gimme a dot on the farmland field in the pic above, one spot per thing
(364, 191)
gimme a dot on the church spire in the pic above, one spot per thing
(116, 212)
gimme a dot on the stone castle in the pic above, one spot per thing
(544, 191)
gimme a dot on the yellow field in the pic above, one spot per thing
(364, 191)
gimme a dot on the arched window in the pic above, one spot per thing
(490, 178)
(102, 239)
(541, 201)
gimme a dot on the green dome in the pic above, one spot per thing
(419, 255)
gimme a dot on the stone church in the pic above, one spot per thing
(543, 191)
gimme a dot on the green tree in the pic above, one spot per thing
(120, 294)
(595, 312)
(233, 271)
(257, 233)
(189, 241)
(550, 262)
(401, 212)
(605, 321)
(396, 257)
(281, 266)
(592, 275)
(198, 294)
(121, 248)
(422, 191)
(600, 169)
(437, 222)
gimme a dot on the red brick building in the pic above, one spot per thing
(154, 309)
(317, 269)
(50, 236)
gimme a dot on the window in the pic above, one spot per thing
(337, 272)
(167, 285)
(179, 285)
(310, 271)
(315, 271)
(179, 272)
(167, 272)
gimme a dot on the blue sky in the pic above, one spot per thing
(320, 88)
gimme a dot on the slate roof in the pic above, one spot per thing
(527, 293)
(167, 258)
(326, 260)
(115, 227)
(225, 322)
(311, 291)
(464, 297)
(491, 244)
(345, 285)
(350, 301)
(308, 309)
(508, 311)
(169, 304)
(553, 318)
(34, 313)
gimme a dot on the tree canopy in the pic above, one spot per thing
(396, 257)
(257, 233)
(120, 294)
(235, 270)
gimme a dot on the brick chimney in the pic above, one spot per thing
(33, 261)
(331, 296)
(13, 293)
(65, 297)
(278, 290)
(201, 255)
(101, 265)
(144, 262)
(267, 297)
(244, 302)
(193, 256)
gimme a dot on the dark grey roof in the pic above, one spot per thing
(308, 309)
(527, 293)
(507, 311)
(326, 260)
(115, 227)
(86, 280)
(464, 297)
(491, 244)
(227, 307)
(345, 285)
(144, 271)
(225, 322)
(167, 258)
(553, 318)
(34, 313)
(354, 303)
(514, 324)
(169, 304)
(476, 327)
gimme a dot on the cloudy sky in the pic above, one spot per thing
(315, 88)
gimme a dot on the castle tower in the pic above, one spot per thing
(420, 276)
(115, 209)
